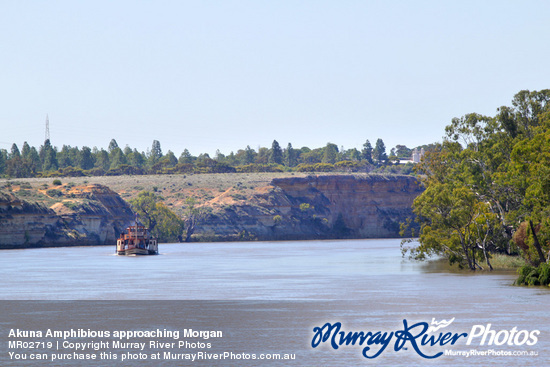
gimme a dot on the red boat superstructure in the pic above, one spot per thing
(136, 241)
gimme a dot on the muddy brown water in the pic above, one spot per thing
(267, 297)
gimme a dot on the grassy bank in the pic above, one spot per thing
(505, 262)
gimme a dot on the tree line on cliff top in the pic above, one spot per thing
(49, 161)
(487, 189)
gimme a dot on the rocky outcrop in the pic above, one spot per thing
(290, 208)
(85, 215)
(363, 206)
(313, 207)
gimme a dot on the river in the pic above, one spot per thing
(268, 296)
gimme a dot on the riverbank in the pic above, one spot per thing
(245, 206)
(506, 262)
(76, 216)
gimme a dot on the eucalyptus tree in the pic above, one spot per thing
(156, 216)
(489, 175)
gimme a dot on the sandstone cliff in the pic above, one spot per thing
(34, 213)
(314, 207)
(83, 215)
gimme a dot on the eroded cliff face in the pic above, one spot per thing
(87, 215)
(315, 207)
(365, 206)
(291, 208)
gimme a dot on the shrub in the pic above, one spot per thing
(347, 166)
(317, 167)
(56, 182)
(72, 172)
(97, 171)
(254, 167)
(305, 207)
(529, 275)
(54, 193)
(238, 196)
(544, 274)
(70, 205)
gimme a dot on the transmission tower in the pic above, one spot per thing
(47, 137)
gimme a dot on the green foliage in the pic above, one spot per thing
(277, 219)
(160, 220)
(155, 154)
(14, 152)
(276, 153)
(124, 169)
(330, 153)
(208, 165)
(306, 207)
(260, 168)
(502, 261)
(454, 224)
(525, 275)
(71, 172)
(185, 157)
(238, 196)
(112, 145)
(348, 166)
(102, 160)
(530, 275)
(544, 274)
(379, 152)
(309, 156)
(86, 160)
(75, 162)
(48, 157)
(290, 156)
(249, 155)
(193, 216)
(489, 175)
(169, 226)
(367, 152)
(71, 205)
(54, 193)
(401, 151)
(3, 161)
(56, 182)
(116, 158)
(317, 167)
(246, 236)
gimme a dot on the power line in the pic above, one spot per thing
(47, 137)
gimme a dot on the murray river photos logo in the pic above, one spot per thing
(421, 337)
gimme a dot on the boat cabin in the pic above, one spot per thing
(136, 241)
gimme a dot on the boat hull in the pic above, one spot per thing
(137, 251)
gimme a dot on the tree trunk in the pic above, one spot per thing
(190, 229)
(471, 263)
(487, 258)
(188, 235)
(536, 243)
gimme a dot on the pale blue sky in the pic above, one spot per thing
(207, 75)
